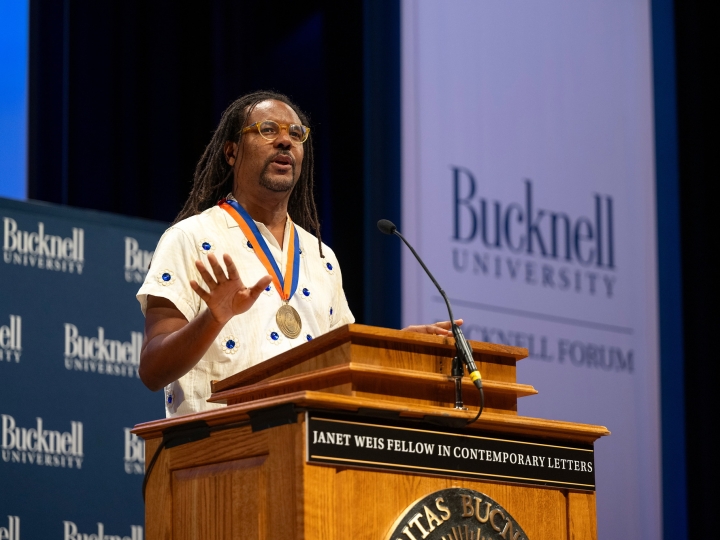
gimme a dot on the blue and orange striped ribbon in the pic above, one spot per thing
(286, 288)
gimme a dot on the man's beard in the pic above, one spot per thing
(277, 185)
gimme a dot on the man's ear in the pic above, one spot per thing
(230, 150)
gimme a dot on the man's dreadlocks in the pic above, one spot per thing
(214, 179)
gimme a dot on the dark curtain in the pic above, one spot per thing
(697, 90)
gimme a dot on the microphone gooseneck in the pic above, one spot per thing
(462, 347)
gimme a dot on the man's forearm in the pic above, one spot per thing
(169, 355)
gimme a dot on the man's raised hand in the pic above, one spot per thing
(227, 295)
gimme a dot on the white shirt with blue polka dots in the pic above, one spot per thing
(252, 337)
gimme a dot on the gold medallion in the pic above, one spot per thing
(288, 321)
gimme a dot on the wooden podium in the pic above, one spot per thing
(233, 479)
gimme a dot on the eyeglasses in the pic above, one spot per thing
(270, 130)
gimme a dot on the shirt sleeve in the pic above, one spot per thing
(171, 269)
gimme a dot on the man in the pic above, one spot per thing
(203, 322)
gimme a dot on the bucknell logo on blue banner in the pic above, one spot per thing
(70, 532)
(137, 261)
(97, 354)
(70, 341)
(41, 250)
(11, 340)
(134, 453)
(12, 531)
(39, 446)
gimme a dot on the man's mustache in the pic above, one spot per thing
(279, 153)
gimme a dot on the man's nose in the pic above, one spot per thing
(283, 139)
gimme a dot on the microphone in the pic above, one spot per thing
(387, 227)
(464, 351)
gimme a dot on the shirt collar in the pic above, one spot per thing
(267, 235)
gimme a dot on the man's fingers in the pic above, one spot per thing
(437, 330)
(446, 324)
(207, 278)
(418, 329)
(246, 297)
(426, 329)
(202, 293)
(231, 268)
(259, 287)
(217, 269)
(432, 329)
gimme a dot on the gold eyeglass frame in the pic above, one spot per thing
(256, 126)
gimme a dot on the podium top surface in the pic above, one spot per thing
(358, 333)
(499, 423)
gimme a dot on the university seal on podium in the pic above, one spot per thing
(455, 514)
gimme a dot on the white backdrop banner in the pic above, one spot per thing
(528, 186)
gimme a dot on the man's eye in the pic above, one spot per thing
(296, 132)
(267, 130)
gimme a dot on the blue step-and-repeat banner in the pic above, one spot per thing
(70, 337)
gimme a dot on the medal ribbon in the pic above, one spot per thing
(286, 288)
